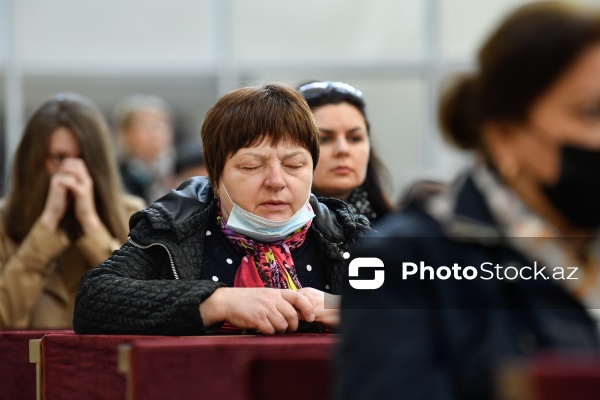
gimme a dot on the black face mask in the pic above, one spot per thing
(576, 194)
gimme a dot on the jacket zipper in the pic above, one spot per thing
(139, 246)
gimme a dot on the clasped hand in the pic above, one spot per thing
(71, 180)
(269, 310)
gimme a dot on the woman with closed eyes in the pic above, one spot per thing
(246, 248)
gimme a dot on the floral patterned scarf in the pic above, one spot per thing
(266, 264)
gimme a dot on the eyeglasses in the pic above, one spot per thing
(57, 159)
(316, 89)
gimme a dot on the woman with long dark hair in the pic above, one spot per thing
(349, 168)
(65, 213)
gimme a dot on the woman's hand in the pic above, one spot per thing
(326, 306)
(83, 191)
(72, 177)
(266, 310)
(57, 200)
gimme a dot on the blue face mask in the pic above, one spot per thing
(266, 230)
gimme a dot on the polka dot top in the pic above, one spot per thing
(221, 260)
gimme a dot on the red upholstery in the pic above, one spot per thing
(234, 367)
(566, 377)
(17, 374)
(83, 367)
(293, 376)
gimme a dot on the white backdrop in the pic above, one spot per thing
(191, 51)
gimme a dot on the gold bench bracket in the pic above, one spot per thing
(35, 357)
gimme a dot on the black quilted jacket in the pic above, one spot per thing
(152, 284)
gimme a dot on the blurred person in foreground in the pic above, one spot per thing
(64, 214)
(349, 168)
(246, 248)
(145, 135)
(464, 288)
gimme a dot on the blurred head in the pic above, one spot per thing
(260, 146)
(68, 125)
(143, 123)
(347, 158)
(190, 162)
(420, 191)
(62, 144)
(535, 95)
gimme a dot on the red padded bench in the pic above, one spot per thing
(81, 366)
(17, 374)
(230, 367)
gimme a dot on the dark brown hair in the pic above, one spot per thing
(530, 49)
(377, 175)
(30, 180)
(249, 115)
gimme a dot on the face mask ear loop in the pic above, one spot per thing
(308, 198)
(229, 197)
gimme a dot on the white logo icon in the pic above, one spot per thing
(366, 262)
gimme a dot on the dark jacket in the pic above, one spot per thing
(152, 284)
(446, 339)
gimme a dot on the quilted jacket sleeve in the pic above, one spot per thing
(127, 294)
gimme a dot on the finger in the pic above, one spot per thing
(316, 297)
(77, 189)
(56, 182)
(81, 189)
(288, 312)
(77, 167)
(56, 200)
(66, 181)
(266, 327)
(73, 163)
(62, 181)
(308, 293)
(277, 320)
(300, 303)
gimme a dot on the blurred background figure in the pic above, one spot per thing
(190, 162)
(420, 192)
(348, 168)
(519, 228)
(193, 52)
(65, 212)
(144, 130)
(2, 163)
